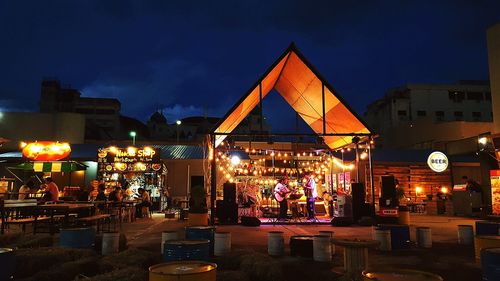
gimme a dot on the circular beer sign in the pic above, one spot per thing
(437, 161)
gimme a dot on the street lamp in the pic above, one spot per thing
(133, 134)
(178, 122)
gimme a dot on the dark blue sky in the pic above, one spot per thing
(189, 57)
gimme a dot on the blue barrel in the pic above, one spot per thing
(83, 237)
(201, 232)
(490, 264)
(400, 235)
(487, 228)
(186, 250)
(7, 263)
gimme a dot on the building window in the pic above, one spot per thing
(477, 96)
(401, 112)
(421, 113)
(476, 116)
(439, 115)
(487, 96)
(456, 96)
(459, 115)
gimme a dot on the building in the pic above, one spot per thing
(56, 126)
(102, 115)
(429, 115)
(493, 35)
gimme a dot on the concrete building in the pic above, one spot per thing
(420, 113)
(102, 115)
(62, 126)
(493, 35)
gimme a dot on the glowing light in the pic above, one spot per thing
(22, 144)
(228, 176)
(363, 155)
(444, 190)
(235, 160)
(247, 150)
(483, 140)
(272, 154)
(253, 150)
(418, 189)
(131, 150)
(286, 154)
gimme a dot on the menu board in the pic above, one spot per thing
(495, 191)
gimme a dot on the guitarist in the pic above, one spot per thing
(280, 192)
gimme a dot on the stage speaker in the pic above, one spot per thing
(358, 200)
(228, 213)
(388, 187)
(250, 221)
(219, 211)
(229, 193)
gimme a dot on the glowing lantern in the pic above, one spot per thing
(46, 150)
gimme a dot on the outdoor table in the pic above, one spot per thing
(355, 255)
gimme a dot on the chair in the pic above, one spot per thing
(145, 212)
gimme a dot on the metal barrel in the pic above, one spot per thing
(487, 228)
(83, 237)
(400, 275)
(184, 250)
(201, 232)
(490, 264)
(183, 271)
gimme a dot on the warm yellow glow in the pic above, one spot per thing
(483, 140)
(247, 150)
(444, 190)
(131, 150)
(228, 176)
(418, 189)
(22, 144)
(363, 155)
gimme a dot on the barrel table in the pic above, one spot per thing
(484, 242)
(201, 232)
(400, 275)
(275, 243)
(302, 246)
(181, 250)
(183, 271)
(490, 264)
(82, 237)
(400, 235)
(7, 263)
(355, 255)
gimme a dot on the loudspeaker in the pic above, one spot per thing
(229, 193)
(227, 213)
(219, 211)
(388, 187)
(358, 200)
(250, 221)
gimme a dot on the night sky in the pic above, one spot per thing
(196, 57)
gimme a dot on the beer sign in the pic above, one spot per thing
(437, 161)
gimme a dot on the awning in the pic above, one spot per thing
(298, 82)
(68, 166)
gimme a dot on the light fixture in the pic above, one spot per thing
(482, 140)
(235, 160)
(418, 189)
(363, 155)
(444, 190)
(178, 122)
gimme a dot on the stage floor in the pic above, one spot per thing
(274, 221)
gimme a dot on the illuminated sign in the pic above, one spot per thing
(437, 161)
(495, 191)
(46, 150)
(129, 159)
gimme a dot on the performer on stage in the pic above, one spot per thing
(280, 191)
(311, 194)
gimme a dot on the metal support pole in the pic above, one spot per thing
(371, 178)
(213, 182)
(323, 103)
(260, 104)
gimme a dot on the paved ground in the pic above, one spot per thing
(446, 257)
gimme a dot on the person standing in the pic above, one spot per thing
(280, 191)
(25, 189)
(52, 189)
(311, 194)
(145, 201)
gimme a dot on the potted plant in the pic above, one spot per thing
(198, 211)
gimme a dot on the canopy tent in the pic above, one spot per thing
(68, 166)
(317, 103)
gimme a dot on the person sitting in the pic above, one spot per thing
(25, 189)
(82, 195)
(51, 190)
(145, 201)
(116, 195)
(101, 196)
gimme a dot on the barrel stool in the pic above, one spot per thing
(355, 255)
(201, 232)
(110, 243)
(424, 237)
(321, 248)
(331, 234)
(383, 236)
(399, 275)
(490, 264)
(183, 271)
(167, 236)
(400, 235)
(465, 234)
(302, 246)
(82, 237)
(275, 243)
(222, 243)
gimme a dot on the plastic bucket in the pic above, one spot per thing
(275, 243)
(384, 237)
(465, 234)
(181, 250)
(321, 248)
(424, 237)
(167, 236)
(110, 243)
(490, 264)
(222, 243)
(183, 271)
(83, 237)
(8, 263)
